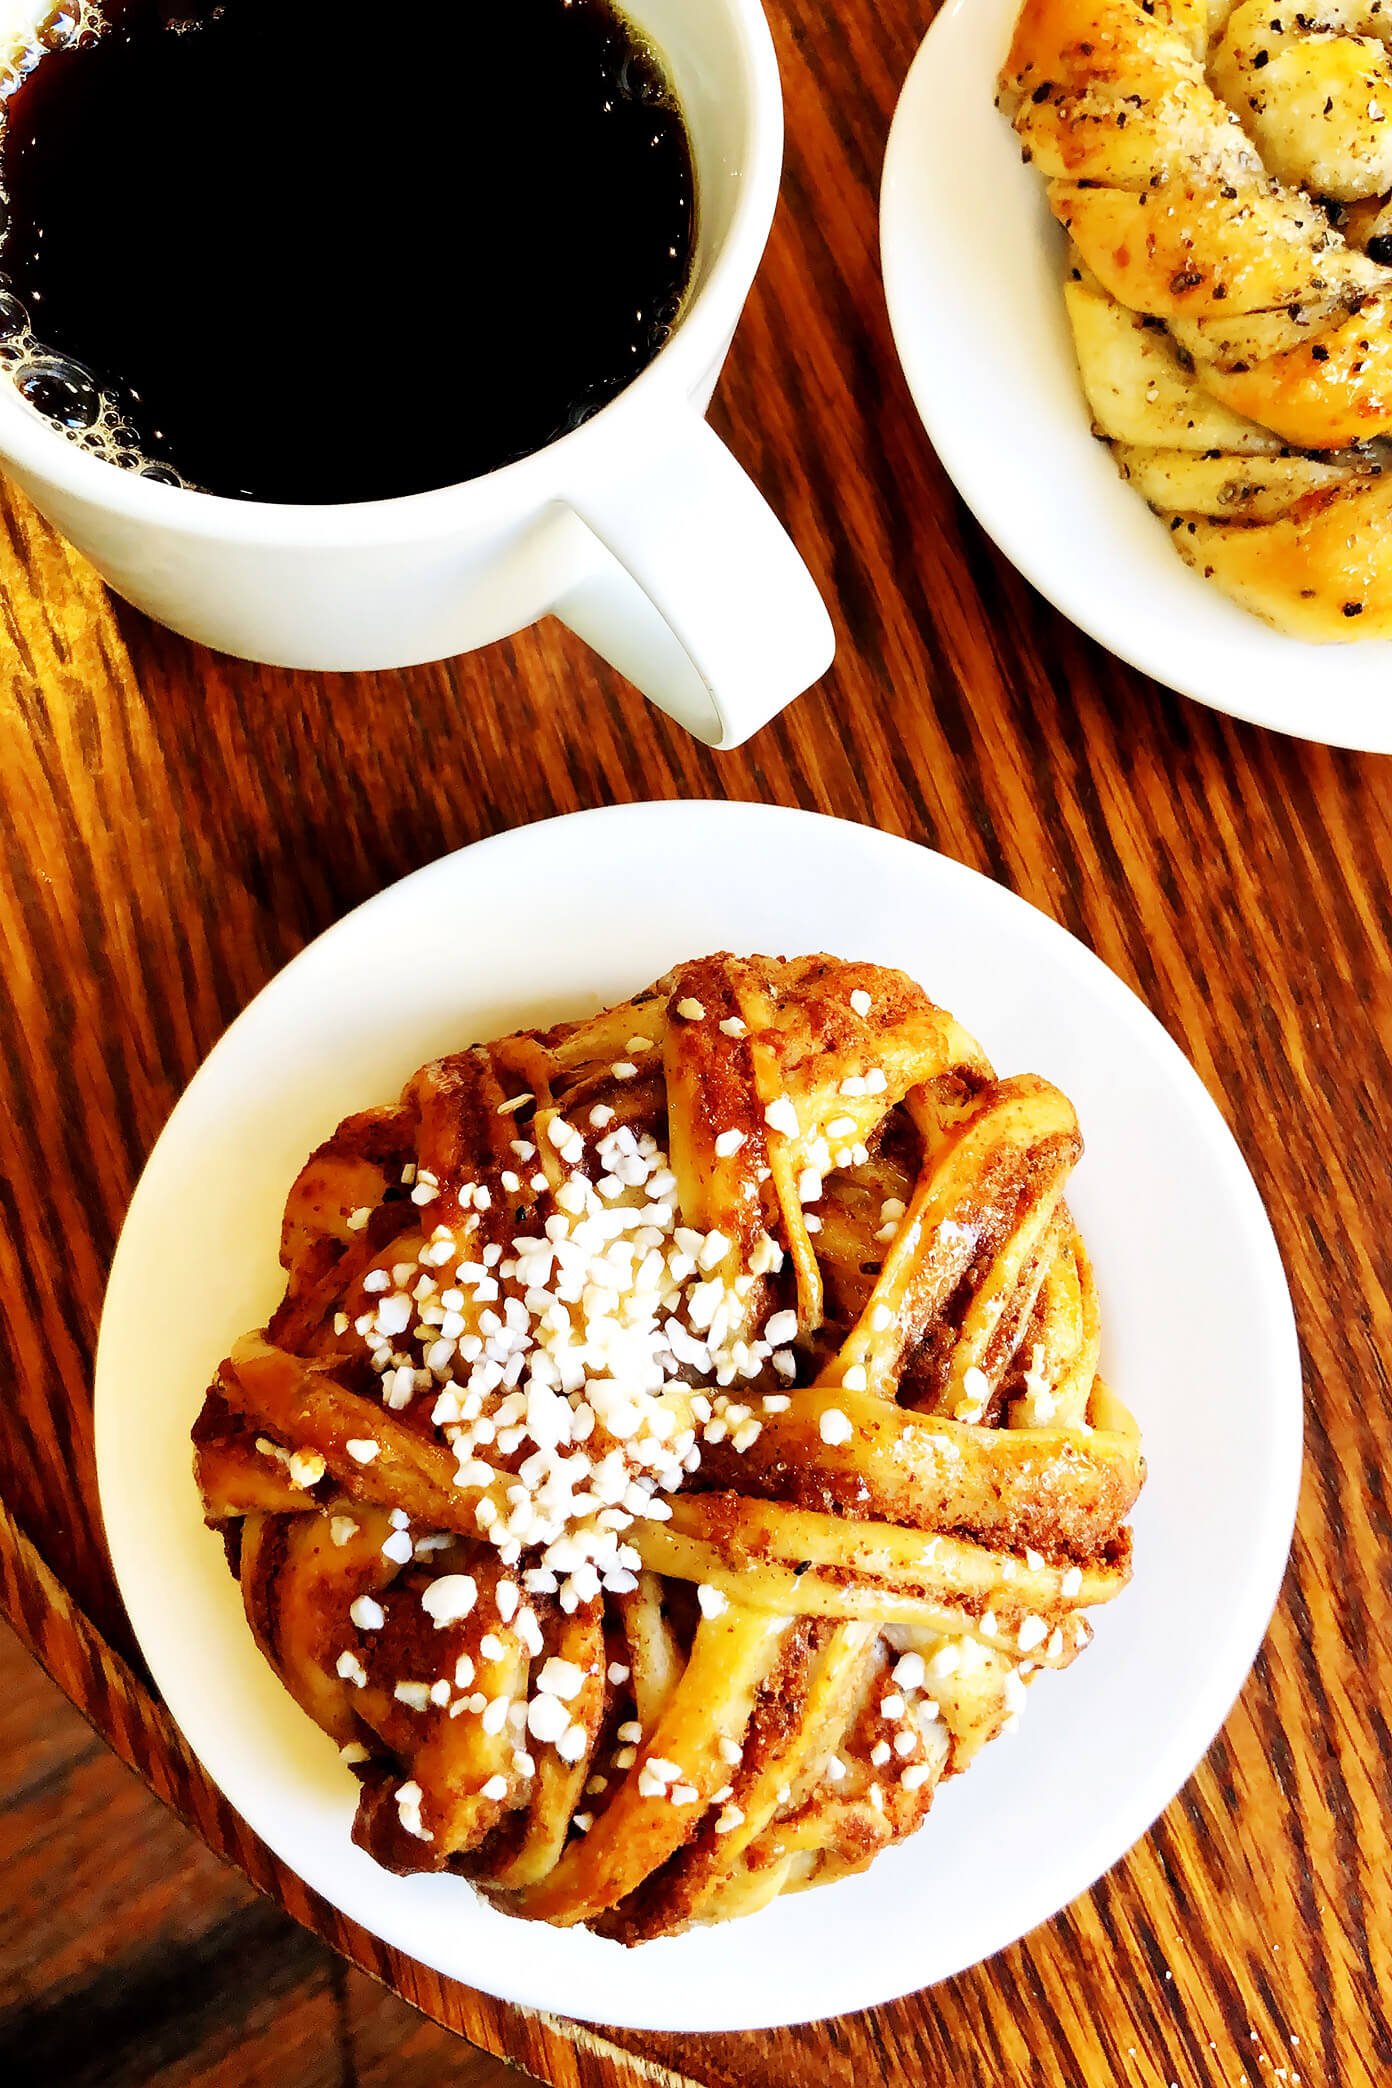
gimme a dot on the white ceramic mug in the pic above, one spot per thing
(639, 529)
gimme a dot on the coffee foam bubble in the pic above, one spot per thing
(66, 397)
(57, 388)
(30, 28)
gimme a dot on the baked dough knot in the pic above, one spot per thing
(1223, 177)
(680, 1443)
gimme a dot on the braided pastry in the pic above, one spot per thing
(680, 1442)
(1223, 176)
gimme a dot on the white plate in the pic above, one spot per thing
(562, 918)
(973, 275)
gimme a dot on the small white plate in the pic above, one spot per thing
(973, 274)
(564, 917)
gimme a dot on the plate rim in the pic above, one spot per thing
(952, 442)
(1128, 1823)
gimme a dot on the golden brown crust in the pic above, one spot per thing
(871, 1488)
(1182, 150)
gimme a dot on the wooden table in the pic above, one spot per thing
(176, 826)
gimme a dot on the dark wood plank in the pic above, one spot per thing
(54, 1630)
(130, 1957)
(176, 826)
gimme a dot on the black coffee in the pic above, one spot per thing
(336, 253)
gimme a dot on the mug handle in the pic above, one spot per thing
(705, 604)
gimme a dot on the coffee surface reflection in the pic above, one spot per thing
(332, 254)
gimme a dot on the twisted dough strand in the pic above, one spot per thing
(836, 1609)
(1220, 314)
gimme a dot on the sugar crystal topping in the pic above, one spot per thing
(556, 1366)
(576, 1361)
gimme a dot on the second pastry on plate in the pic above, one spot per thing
(1228, 325)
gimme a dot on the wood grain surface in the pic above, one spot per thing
(176, 826)
(131, 1957)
